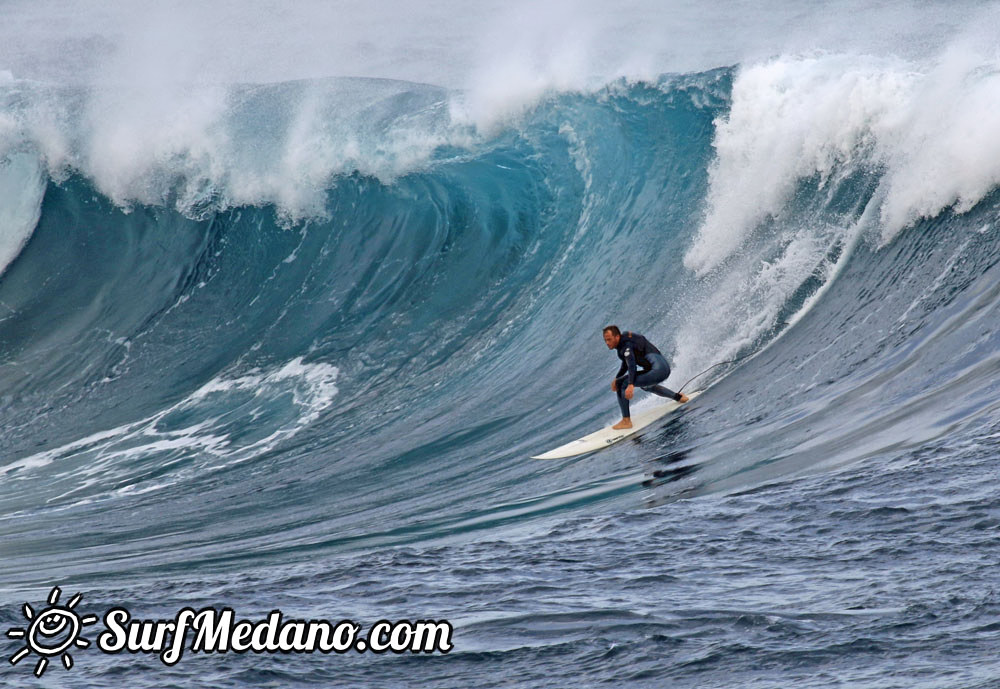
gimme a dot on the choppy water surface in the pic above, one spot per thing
(288, 341)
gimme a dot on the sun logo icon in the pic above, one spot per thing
(53, 631)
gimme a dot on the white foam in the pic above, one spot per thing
(925, 130)
(791, 119)
(942, 148)
(160, 79)
(201, 147)
(929, 129)
(227, 421)
(138, 143)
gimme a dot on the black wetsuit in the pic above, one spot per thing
(642, 366)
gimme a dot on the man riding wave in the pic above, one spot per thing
(642, 365)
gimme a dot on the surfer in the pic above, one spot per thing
(636, 351)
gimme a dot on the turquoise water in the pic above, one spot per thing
(295, 349)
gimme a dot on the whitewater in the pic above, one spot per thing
(289, 296)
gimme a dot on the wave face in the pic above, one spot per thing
(300, 343)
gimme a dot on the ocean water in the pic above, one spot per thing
(290, 296)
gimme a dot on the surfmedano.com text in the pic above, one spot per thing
(218, 631)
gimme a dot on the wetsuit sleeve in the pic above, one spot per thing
(621, 370)
(630, 363)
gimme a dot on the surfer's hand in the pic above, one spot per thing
(628, 392)
(614, 385)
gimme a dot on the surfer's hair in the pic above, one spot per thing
(613, 329)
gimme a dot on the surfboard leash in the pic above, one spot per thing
(723, 363)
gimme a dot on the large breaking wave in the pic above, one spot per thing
(304, 315)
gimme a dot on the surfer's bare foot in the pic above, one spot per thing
(684, 398)
(624, 423)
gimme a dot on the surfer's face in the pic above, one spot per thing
(610, 339)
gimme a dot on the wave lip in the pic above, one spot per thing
(197, 148)
(22, 186)
(922, 130)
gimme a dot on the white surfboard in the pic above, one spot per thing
(609, 436)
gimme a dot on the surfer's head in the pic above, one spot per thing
(612, 335)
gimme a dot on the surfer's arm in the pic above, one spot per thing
(621, 370)
(630, 363)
